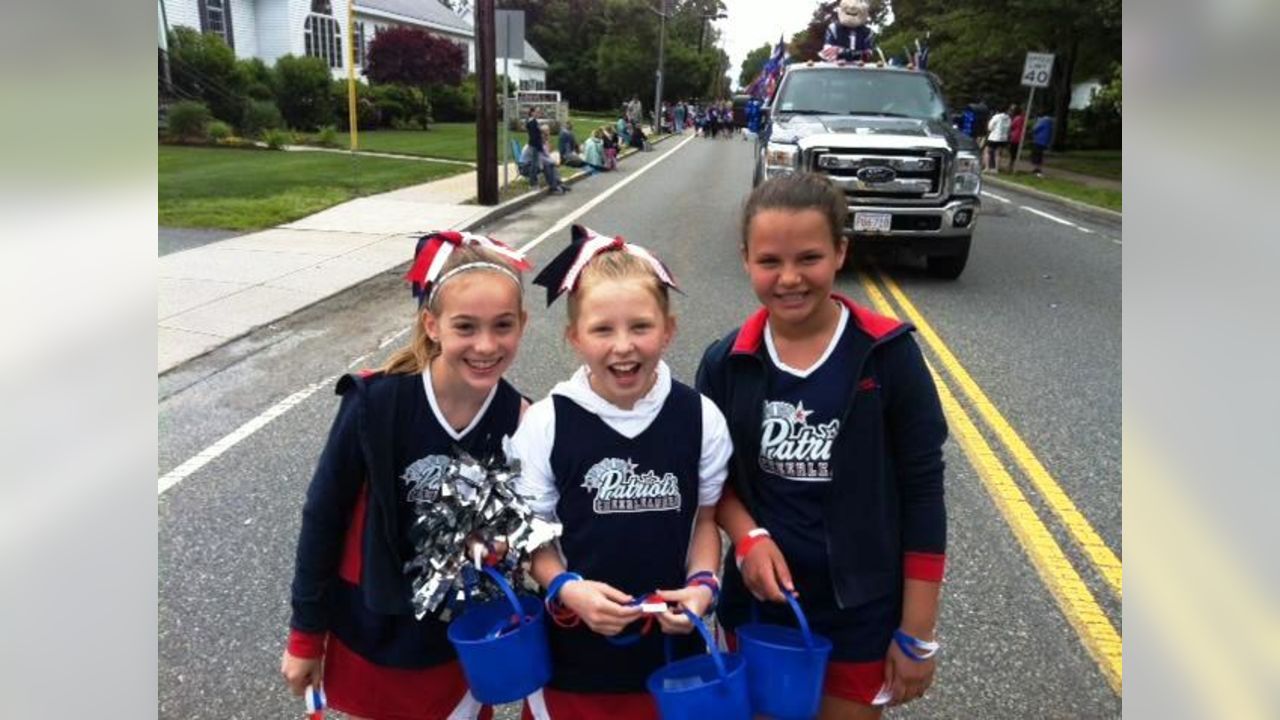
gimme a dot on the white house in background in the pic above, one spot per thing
(270, 29)
(529, 73)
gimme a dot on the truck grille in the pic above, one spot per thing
(883, 176)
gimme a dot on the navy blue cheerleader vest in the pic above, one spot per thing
(421, 450)
(628, 506)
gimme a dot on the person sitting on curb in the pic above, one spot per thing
(610, 141)
(569, 148)
(593, 153)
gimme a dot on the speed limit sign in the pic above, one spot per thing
(1037, 70)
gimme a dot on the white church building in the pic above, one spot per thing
(270, 29)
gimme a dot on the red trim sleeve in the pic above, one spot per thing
(305, 644)
(924, 566)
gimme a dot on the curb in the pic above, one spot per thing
(522, 201)
(1094, 210)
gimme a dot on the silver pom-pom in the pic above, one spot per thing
(473, 505)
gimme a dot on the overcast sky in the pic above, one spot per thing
(752, 23)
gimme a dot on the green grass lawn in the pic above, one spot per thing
(1102, 197)
(1099, 163)
(255, 189)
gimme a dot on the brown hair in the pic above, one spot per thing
(798, 192)
(617, 265)
(414, 357)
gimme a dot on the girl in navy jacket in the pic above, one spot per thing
(835, 491)
(631, 463)
(352, 624)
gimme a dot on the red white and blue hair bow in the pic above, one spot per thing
(562, 274)
(434, 249)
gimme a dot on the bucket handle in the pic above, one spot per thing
(712, 647)
(517, 613)
(795, 608)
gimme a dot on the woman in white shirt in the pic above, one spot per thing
(997, 138)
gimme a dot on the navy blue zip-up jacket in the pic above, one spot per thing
(350, 548)
(884, 518)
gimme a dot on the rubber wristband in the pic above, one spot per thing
(558, 582)
(748, 541)
(708, 579)
(915, 648)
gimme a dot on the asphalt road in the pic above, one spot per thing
(1034, 323)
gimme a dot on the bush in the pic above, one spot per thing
(277, 139)
(303, 91)
(366, 108)
(218, 131)
(402, 107)
(257, 79)
(204, 67)
(327, 137)
(454, 104)
(259, 116)
(189, 121)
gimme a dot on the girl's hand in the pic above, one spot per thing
(300, 672)
(696, 599)
(765, 573)
(907, 679)
(600, 605)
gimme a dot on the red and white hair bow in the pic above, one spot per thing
(561, 275)
(433, 251)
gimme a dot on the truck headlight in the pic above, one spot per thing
(967, 179)
(780, 158)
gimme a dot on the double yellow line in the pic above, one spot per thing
(1073, 596)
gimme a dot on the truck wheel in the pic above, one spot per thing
(949, 267)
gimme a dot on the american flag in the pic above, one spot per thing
(767, 81)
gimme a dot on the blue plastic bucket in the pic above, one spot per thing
(785, 666)
(702, 687)
(502, 646)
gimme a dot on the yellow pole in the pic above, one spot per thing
(352, 115)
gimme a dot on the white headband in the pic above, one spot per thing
(467, 267)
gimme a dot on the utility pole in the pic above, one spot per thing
(487, 110)
(657, 94)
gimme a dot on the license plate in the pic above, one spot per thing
(872, 222)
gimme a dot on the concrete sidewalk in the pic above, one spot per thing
(214, 293)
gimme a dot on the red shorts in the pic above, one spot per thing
(355, 686)
(548, 704)
(856, 681)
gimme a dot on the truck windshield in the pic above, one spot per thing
(845, 91)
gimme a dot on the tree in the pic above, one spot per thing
(976, 63)
(204, 69)
(753, 64)
(410, 56)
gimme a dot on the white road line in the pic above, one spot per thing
(1044, 214)
(564, 221)
(393, 337)
(1084, 229)
(211, 453)
(996, 197)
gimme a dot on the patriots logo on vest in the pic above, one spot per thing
(423, 477)
(620, 489)
(792, 448)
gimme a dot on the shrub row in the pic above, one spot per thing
(298, 93)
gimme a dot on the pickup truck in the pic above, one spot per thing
(882, 135)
